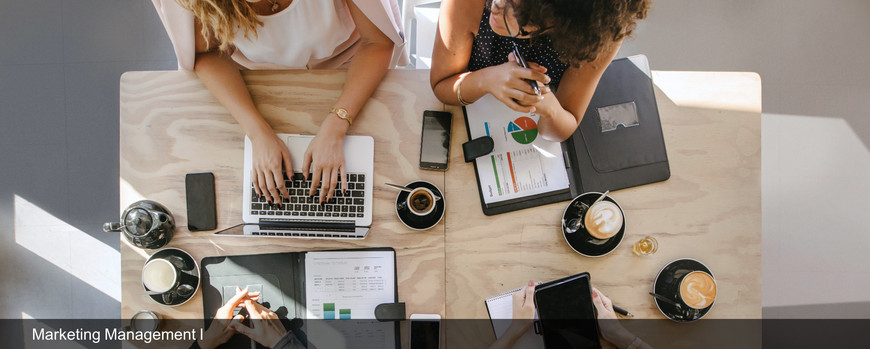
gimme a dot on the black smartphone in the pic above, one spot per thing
(425, 331)
(435, 145)
(201, 210)
(567, 313)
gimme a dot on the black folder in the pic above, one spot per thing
(282, 276)
(619, 143)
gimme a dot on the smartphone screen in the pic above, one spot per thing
(435, 145)
(567, 313)
(425, 333)
(201, 211)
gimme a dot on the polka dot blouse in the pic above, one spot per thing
(491, 49)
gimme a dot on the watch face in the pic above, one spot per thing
(342, 114)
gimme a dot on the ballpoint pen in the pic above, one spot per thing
(622, 312)
(522, 62)
(517, 56)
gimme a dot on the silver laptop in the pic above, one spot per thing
(346, 215)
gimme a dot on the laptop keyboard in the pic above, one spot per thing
(300, 204)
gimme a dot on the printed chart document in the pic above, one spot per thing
(522, 163)
(501, 308)
(348, 285)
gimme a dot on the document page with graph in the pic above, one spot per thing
(522, 164)
(347, 286)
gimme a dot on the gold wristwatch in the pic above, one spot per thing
(342, 114)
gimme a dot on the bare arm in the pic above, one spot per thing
(458, 22)
(221, 76)
(368, 66)
(325, 154)
(457, 25)
(561, 113)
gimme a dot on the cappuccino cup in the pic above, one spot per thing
(698, 289)
(421, 201)
(603, 220)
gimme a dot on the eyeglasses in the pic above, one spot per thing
(522, 32)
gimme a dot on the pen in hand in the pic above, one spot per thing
(622, 312)
(522, 62)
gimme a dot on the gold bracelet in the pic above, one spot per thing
(459, 90)
(341, 113)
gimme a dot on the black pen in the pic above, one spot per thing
(522, 62)
(622, 312)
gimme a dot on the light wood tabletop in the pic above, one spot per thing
(171, 125)
(709, 210)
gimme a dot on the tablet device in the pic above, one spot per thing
(567, 316)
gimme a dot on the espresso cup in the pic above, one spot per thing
(421, 201)
(603, 220)
(698, 290)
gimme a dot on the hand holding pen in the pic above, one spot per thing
(508, 82)
(522, 62)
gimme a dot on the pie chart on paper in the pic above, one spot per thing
(524, 130)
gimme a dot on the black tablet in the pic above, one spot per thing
(566, 312)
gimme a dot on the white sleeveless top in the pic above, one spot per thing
(314, 34)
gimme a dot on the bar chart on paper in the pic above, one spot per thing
(518, 171)
(329, 312)
(342, 287)
(345, 287)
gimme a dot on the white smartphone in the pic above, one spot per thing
(425, 331)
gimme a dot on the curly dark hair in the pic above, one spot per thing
(580, 29)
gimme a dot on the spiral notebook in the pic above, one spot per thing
(500, 309)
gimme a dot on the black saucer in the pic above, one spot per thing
(668, 284)
(420, 222)
(580, 241)
(190, 271)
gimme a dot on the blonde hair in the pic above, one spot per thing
(223, 18)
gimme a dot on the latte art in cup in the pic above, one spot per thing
(603, 220)
(698, 289)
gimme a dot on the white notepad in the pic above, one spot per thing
(501, 307)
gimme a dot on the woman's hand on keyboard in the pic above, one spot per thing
(270, 159)
(325, 160)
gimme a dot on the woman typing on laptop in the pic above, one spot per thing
(216, 38)
(541, 56)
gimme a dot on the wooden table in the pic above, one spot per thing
(172, 125)
(710, 208)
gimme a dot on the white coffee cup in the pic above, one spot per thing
(421, 201)
(159, 275)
